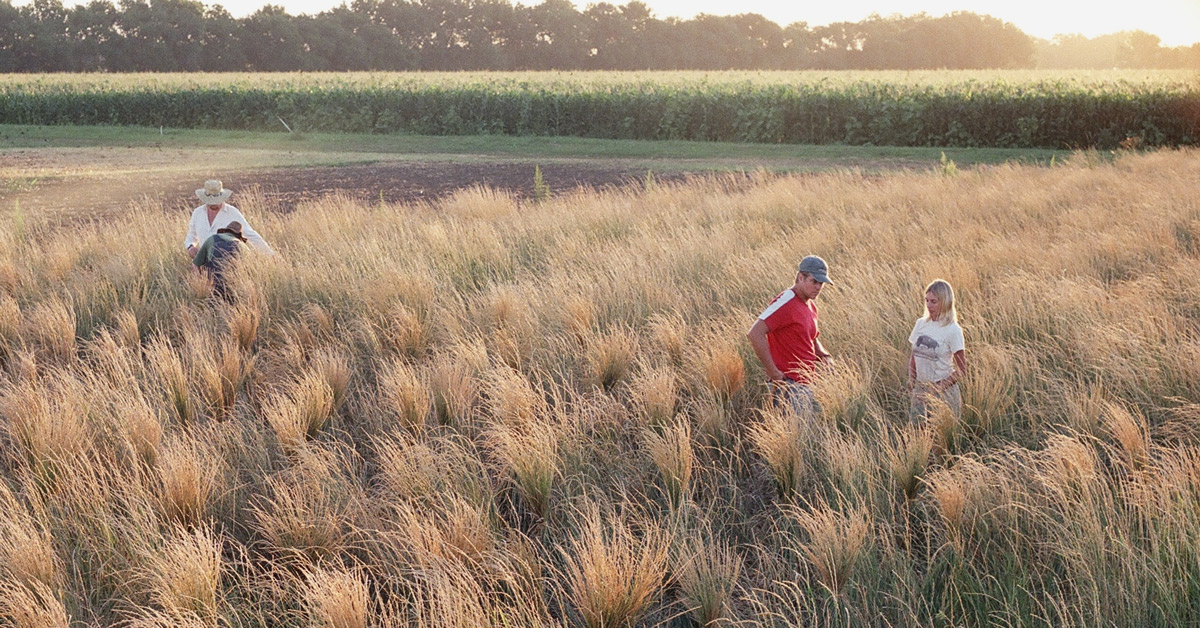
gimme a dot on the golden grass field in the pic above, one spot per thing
(492, 412)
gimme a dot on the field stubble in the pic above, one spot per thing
(483, 412)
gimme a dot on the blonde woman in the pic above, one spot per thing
(939, 359)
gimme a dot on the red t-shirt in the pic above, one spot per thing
(792, 334)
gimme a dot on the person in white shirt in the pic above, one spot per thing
(216, 214)
(939, 359)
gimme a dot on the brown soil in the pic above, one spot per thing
(409, 182)
(101, 191)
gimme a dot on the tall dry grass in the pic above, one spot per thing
(613, 572)
(455, 432)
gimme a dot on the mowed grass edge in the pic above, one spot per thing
(667, 155)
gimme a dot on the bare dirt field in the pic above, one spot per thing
(99, 182)
(409, 182)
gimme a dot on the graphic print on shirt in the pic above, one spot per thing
(925, 347)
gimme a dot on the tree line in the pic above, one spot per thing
(187, 36)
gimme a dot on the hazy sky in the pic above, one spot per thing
(1177, 22)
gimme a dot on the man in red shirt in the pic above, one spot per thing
(785, 337)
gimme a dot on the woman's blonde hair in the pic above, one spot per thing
(945, 294)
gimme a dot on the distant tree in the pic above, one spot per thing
(617, 36)
(95, 37)
(1142, 50)
(40, 41)
(272, 40)
(800, 46)
(1126, 49)
(161, 35)
(839, 46)
(560, 37)
(222, 49)
(183, 35)
(486, 36)
(365, 45)
(977, 42)
(10, 20)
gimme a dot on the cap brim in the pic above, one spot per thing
(823, 279)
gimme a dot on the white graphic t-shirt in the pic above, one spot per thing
(934, 346)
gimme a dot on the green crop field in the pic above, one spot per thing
(969, 109)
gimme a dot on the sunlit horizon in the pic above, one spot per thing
(1175, 22)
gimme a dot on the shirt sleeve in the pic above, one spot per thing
(190, 239)
(204, 253)
(912, 337)
(251, 235)
(779, 312)
(956, 340)
(781, 317)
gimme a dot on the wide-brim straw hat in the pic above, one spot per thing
(213, 192)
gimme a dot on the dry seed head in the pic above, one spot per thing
(712, 417)
(300, 412)
(610, 356)
(406, 332)
(450, 533)
(1068, 463)
(848, 462)
(10, 323)
(778, 437)
(26, 549)
(337, 598)
(188, 472)
(613, 575)
(579, 315)
(405, 395)
(300, 518)
(655, 395)
(724, 370)
(24, 366)
(167, 367)
(667, 334)
(318, 320)
(185, 575)
(46, 423)
(529, 454)
(299, 339)
(908, 457)
(1084, 405)
(126, 328)
(672, 455)
(50, 327)
(961, 494)
(244, 321)
(707, 577)
(141, 429)
(408, 469)
(199, 286)
(31, 605)
(989, 390)
(512, 399)
(467, 530)
(843, 395)
(333, 368)
(1128, 430)
(835, 542)
(504, 308)
(454, 391)
(943, 424)
(10, 276)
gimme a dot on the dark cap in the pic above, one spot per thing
(816, 268)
